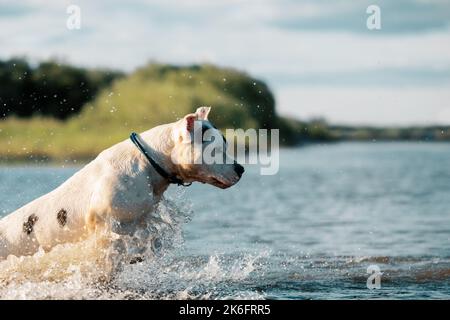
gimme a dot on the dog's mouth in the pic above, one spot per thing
(220, 183)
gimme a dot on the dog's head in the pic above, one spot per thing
(200, 152)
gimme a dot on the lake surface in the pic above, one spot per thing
(309, 232)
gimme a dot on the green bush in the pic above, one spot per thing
(49, 89)
(152, 95)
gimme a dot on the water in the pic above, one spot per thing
(309, 232)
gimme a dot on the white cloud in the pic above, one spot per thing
(241, 34)
(224, 33)
(443, 117)
(379, 106)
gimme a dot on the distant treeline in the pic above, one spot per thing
(429, 133)
(38, 103)
(49, 88)
(301, 132)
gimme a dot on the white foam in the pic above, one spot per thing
(82, 270)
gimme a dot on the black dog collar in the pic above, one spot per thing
(134, 137)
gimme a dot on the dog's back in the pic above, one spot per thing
(55, 217)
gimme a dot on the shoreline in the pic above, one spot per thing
(73, 161)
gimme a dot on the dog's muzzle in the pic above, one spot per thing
(239, 169)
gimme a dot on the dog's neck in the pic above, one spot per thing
(158, 142)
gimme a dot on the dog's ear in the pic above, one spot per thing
(185, 128)
(189, 121)
(203, 112)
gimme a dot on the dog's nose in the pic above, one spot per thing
(239, 169)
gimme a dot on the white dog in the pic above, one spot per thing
(123, 184)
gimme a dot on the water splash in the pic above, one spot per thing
(84, 270)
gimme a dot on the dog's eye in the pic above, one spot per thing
(205, 128)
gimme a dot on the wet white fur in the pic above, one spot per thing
(118, 186)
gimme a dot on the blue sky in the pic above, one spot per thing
(318, 56)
